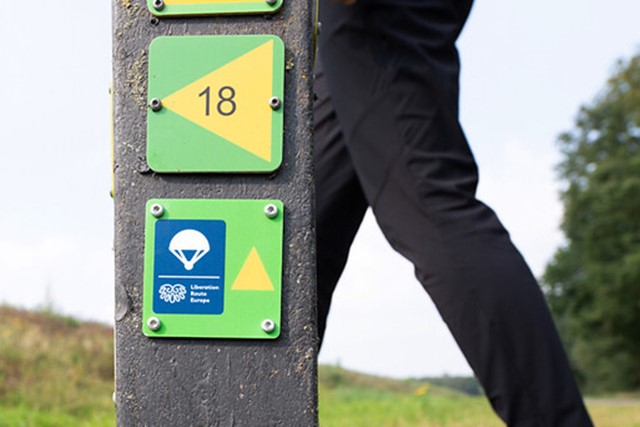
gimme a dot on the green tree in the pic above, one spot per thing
(593, 282)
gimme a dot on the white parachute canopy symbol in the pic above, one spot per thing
(187, 241)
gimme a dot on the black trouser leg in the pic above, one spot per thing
(392, 72)
(340, 203)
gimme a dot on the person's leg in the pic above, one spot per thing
(340, 203)
(392, 70)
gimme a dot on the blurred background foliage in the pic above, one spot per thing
(593, 282)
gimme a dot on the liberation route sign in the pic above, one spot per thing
(215, 104)
(189, 265)
(211, 7)
(212, 268)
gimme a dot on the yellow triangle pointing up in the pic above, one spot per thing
(233, 101)
(253, 276)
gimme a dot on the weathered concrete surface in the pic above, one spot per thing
(171, 382)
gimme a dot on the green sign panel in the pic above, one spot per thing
(215, 104)
(211, 7)
(213, 268)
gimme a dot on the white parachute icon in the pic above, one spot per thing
(187, 241)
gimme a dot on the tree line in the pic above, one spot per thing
(593, 282)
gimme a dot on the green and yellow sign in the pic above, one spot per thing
(215, 104)
(211, 7)
(213, 268)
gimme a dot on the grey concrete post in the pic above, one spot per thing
(212, 382)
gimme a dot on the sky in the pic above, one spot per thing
(527, 68)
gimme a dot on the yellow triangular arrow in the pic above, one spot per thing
(253, 276)
(233, 101)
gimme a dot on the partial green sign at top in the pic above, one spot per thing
(211, 7)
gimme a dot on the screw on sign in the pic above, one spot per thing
(155, 104)
(158, 4)
(157, 210)
(268, 326)
(275, 103)
(154, 323)
(271, 211)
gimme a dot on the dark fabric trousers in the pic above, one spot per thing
(387, 136)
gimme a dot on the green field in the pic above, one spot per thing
(54, 371)
(352, 399)
(57, 372)
(349, 399)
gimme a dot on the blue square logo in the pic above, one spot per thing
(189, 266)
